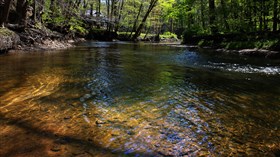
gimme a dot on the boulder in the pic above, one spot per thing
(8, 39)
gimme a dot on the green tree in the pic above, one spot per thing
(152, 4)
(275, 15)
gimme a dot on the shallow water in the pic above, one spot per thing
(122, 99)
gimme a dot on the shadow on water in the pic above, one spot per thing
(60, 139)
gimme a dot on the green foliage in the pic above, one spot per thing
(187, 17)
(167, 8)
(189, 33)
(168, 35)
(229, 16)
(64, 17)
(45, 17)
(251, 44)
(76, 26)
(59, 20)
(267, 44)
(239, 45)
(205, 43)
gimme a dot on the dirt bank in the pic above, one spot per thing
(34, 39)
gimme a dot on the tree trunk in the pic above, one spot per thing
(265, 14)
(138, 30)
(119, 16)
(34, 10)
(249, 15)
(212, 16)
(136, 20)
(1, 12)
(52, 6)
(261, 16)
(202, 14)
(112, 14)
(40, 9)
(108, 14)
(91, 10)
(19, 10)
(275, 15)
(98, 12)
(224, 15)
(5, 12)
(255, 15)
(172, 25)
(99, 6)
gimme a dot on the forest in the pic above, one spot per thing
(221, 23)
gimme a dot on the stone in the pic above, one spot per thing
(93, 93)
(82, 99)
(99, 122)
(56, 148)
(89, 139)
(130, 132)
(87, 96)
(8, 39)
(67, 117)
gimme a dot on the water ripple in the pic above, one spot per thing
(270, 70)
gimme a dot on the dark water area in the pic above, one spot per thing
(124, 99)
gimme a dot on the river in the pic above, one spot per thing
(125, 99)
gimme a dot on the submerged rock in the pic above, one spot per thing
(93, 93)
(67, 117)
(99, 122)
(87, 96)
(56, 148)
(259, 53)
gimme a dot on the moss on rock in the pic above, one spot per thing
(8, 39)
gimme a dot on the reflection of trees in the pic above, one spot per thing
(116, 72)
(142, 73)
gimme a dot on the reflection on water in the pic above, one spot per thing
(120, 99)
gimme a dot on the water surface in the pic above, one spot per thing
(123, 99)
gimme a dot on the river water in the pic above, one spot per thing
(124, 99)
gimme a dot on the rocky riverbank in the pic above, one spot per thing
(34, 39)
(254, 52)
(255, 44)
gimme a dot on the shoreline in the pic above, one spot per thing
(254, 52)
(47, 40)
(16, 42)
(46, 45)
